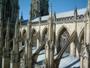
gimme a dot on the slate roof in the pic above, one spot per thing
(59, 15)
(63, 14)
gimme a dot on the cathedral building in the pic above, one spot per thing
(46, 39)
(69, 30)
(39, 8)
(9, 11)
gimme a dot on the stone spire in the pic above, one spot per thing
(15, 9)
(75, 13)
(21, 20)
(75, 18)
(31, 12)
(50, 21)
(0, 33)
(15, 52)
(47, 55)
(85, 57)
(87, 14)
(6, 52)
(54, 16)
(28, 40)
(17, 29)
(88, 9)
(7, 33)
(89, 22)
(28, 51)
(89, 5)
(0, 8)
(49, 45)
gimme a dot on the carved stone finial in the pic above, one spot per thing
(17, 28)
(75, 13)
(89, 5)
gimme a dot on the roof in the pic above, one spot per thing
(43, 18)
(63, 14)
(71, 13)
(24, 22)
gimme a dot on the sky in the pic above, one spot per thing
(57, 6)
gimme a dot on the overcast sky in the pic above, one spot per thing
(58, 6)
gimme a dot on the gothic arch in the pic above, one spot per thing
(61, 30)
(38, 35)
(81, 35)
(33, 31)
(76, 45)
(62, 37)
(81, 38)
(23, 36)
(34, 37)
(54, 37)
(24, 33)
(44, 34)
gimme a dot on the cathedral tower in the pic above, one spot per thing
(9, 9)
(39, 8)
(89, 4)
(0, 8)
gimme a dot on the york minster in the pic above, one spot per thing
(47, 39)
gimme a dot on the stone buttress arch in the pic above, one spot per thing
(34, 36)
(81, 38)
(60, 32)
(81, 35)
(44, 32)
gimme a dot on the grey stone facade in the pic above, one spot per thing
(39, 8)
(9, 10)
